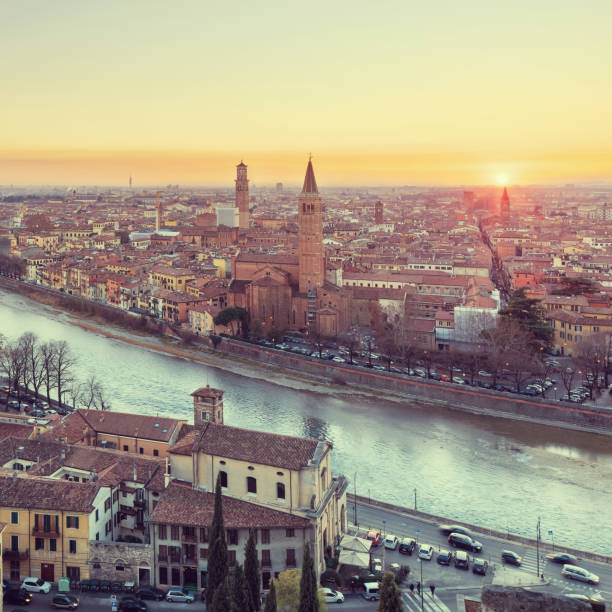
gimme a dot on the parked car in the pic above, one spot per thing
(444, 557)
(579, 573)
(332, 596)
(509, 556)
(563, 558)
(371, 591)
(458, 380)
(420, 373)
(146, 591)
(35, 585)
(462, 561)
(484, 373)
(374, 536)
(64, 601)
(480, 566)
(407, 546)
(460, 540)
(377, 565)
(391, 542)
(131, 604)
(179, 595)
(20, 597)
(426, 552)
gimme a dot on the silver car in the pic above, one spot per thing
(579, 573)
(178, 595)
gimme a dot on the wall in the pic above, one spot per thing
(104, 557)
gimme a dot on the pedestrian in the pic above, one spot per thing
(411, 588)
(432, 588)
(419, 588)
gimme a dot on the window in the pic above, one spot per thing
(53, 545)
(290, 532)
(74, 573)
(223, 478)
(39, 544)
(280, 490)
(72, 522)
(291, 557)
(174, 532)
(203, 553)
(119, 567)
(161, 532)
(14, 542)
(125, 448)
(72, 547)
(116, 496)
(231, 557)
(203, 534)
(176, 576)
(162, 552)
(155, 452)
(265, 536)
(265, 558)
(163, 575)
(141, 450)
(251, 484)
(97, 515)
(232, 536)
(15, 518)
(107, 504)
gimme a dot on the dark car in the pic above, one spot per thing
(563, 558)
(150, 592)
(460, 540)
(508, 556)
(65, 601)
(17, 596)
(444, 557)
(448, 529)
(480, 566)
(407, 546)
(131, 604)
(484, 384)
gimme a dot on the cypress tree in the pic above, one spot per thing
(217, 556)
(390, 596)
(271, 599)
(221, 601)
(309, 596)
(240, 594)
(251, 572)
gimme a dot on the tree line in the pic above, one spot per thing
(39, 368)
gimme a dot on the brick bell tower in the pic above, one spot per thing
(207, 406)
(242, 195)
(311, 254)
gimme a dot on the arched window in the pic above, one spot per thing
(280, 490)
(251, 484)
(223, 477)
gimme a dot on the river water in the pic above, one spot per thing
(491, 472)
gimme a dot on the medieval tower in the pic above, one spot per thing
(504, 205)
(311, 254)
(242, 195)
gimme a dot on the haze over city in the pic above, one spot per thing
(385, 93)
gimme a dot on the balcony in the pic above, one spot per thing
(16, 555)
(40, 533)
(189, 537)
(162, 558)
(140, 503)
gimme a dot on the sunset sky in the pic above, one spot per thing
(380, 92)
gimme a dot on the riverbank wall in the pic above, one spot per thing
(418, 391)
(545, 547)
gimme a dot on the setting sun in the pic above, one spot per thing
(502, 180)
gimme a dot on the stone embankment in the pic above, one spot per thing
(375, 383)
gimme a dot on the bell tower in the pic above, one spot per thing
(311, 254)
(207, 406)
(242, 195)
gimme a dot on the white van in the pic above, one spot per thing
(371, 591)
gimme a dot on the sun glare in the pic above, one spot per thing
(502, 180)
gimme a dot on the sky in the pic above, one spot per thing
(402, 92)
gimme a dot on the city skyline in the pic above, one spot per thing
(384, 95)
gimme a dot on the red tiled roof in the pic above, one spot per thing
(181, 504)
(265, 448)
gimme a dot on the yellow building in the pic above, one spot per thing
(170, 278)
(48, 526)
(570, 329)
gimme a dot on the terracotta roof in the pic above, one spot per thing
(47, 494)
(181, 504)
(131, 425)
(15, 430)
(265, 448)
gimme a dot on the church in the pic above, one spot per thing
(289, 292)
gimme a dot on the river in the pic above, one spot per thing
(495, 473)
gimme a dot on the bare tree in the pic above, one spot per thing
(567, 378)
(47, 355)
(93, 394)
(63, 363)
(33, 362)
(12, 364)
(591, 360)
(351, 341)
(76, 391)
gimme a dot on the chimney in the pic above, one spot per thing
(135, 474)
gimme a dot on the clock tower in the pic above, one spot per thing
(242, 195)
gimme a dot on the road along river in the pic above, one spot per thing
(496, 473)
